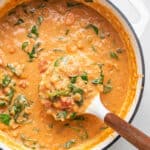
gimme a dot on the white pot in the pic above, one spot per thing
(122, 10)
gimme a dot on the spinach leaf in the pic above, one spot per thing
(73, 4)
(61, 115)
(107, 88)
(73, 79)
(114, 55)
(58, 93)
(19, 21)
(79, 103)
(93, 48)
(95, 29)
(34, 52)
(57, 62)
(103, 128)
(73, 115)
(79, 118)
(40, 20)
(99, 80)
(69, 143)
(75, 89)
(33, 32)
(24, 45)
(5, 118)
(84, 77)
(19, 106)
(11, 93)
(3, 104)
(6, 81)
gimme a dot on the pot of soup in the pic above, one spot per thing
(54, 56)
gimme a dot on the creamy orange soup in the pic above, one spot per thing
(54, 57)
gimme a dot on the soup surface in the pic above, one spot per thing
(54, 57)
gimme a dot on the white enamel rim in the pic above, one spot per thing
(140, 62)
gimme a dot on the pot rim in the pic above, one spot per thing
(142, 69)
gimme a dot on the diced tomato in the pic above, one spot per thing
(43, 65)
(66, 103)
(23, 84)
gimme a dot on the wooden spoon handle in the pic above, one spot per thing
(130, 133)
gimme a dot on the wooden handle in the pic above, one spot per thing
(130, 133)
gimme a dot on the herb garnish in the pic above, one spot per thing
(103, 128)
(34, 52)
(10, 94)
(18, 109)
(93, 48)
(99, 80)
(69, 143)
(24, 45)
(58, 93)
(6, 80)
(107, 87)
(3, 104)
(57, 62)
(61, 115)
(114, 55)
(73, 79)
(73, 115)
(74, 90)
(19, 21)
(79, 118)
(95, 29)
(84, 77)
(40, 20)
(73, 4)
(33, 32)
(5, 118)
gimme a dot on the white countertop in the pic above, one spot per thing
(142, 118)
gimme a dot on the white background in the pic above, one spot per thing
(142, 118)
